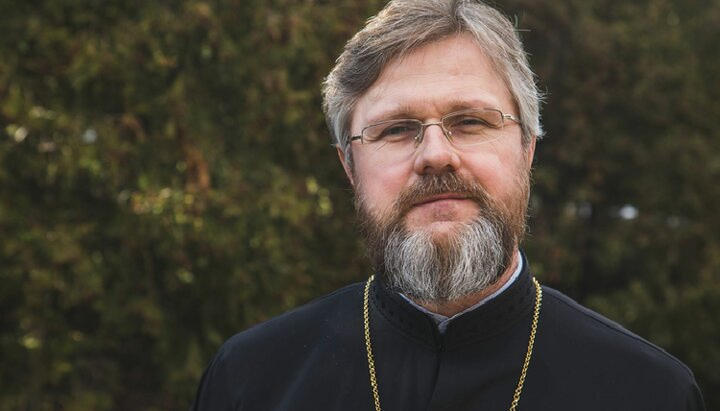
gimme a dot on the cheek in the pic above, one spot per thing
(379, 186)
(498, 173)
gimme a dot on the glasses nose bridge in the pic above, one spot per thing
(423, 126)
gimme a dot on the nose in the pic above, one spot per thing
(435, 153)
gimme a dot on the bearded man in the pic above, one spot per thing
(435, 115)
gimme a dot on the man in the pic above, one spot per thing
(435, 115)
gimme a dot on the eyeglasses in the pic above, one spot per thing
(463, 128)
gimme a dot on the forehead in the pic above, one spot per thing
(433, 80)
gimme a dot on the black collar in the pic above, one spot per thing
(492, 318)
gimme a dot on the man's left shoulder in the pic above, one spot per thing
(586, 349)
(591, 334)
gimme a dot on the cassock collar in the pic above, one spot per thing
(443, 321)
(488, 320)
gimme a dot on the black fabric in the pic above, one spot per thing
(313, 358)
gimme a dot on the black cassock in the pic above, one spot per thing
(314, 358)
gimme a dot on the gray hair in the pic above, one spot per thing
(405, 25)
(434, 273)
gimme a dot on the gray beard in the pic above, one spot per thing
(438, 271)
(468, 262)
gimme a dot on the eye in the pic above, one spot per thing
(468, 124)
(473, 123)
(391, 131)
(396, 130)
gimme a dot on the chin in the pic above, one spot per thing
(440, 231)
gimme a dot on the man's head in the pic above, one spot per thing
(405, 25)
(442, 212)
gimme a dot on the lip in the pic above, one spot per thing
(441, 197)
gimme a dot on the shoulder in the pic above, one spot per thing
(584, 323)
(254, 365)
(582, 339)
(299, 326)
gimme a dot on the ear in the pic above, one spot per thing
(531, 152)
(346, 166)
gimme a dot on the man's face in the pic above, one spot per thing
(442, 221)
(428, 83)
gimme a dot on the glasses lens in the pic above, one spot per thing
(392, 132)
(473, 127)
(393, 138)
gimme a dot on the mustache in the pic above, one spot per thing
(432, 185)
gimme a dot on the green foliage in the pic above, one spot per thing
(166, 180)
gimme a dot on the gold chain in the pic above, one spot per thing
(531, 344)
(523, 373)
(368, 345)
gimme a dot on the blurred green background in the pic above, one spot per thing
(166, 180)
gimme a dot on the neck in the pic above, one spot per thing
(450, 308)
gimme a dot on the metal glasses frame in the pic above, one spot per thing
(421, 133)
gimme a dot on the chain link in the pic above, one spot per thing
(368, 345)
(523, 373)
(531, 344)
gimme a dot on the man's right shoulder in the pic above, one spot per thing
(256, 366)
(301, 325)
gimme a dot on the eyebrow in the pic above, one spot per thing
(403, 111)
